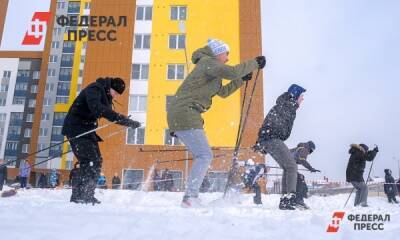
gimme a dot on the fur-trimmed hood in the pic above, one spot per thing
(358, 147)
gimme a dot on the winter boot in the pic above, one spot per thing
(285, 202)
(191, 202)
(257, 200)
(93, 201)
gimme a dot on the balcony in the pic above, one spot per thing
(10, 153)
(66, 62)
(13, 137)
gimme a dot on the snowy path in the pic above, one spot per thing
(47, 214)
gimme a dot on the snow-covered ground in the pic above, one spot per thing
(47, 214)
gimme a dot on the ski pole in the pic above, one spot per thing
(242, 123)
(51, 158)
(184, 150)
(57, 144)
(184, 159)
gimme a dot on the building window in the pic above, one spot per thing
(21, 86)
(1, 133)
(65, 74)
(144, 13)
(137, 103)
(3, 87)
(6, 75)
(28, 132)
(135, 136)
(16, 116)
(56, 131)
(60, 5)
(176, 72)
(176, 178)
(177, 41)
(55, 44)
(49, 87)
(41, 146)
(3, 116)
(36, 75)
(56, 31)
(19, 101)
(140, 71)
(170, 140)
(45, 117)
(62, 100)
(32, 103)
(51, 72)
(142, 41)
(29, 117)
(132, 179)
(25, 148)
(3, 101)
(23, 73)
(11, 145)
(47, 101)
(87, 5)
(43, 132)
(83, 57)
(34, 88)
(14, 130)
(178, 12)
(53, 58)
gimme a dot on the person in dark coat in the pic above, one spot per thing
(3, 174)
(398, 186)
(73, 182)
(42, 183)
(205, 185)
(276, 129)
(251, 176)
(93, 102)
(116, 182)
(359, 154)
(301, 190)
(300, 154)
(390, 186)
(157, 184)
(168, 181)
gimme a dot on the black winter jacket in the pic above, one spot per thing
(390, 187)
(93, 103)
(279, 121)
(356, 165)
(3, 173)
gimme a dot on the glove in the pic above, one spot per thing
(314, 170)
(376, 149)
(261, 62)
(247, 77)
(129, 123)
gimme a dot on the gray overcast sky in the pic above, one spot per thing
(346, 54)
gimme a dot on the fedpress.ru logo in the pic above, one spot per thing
(37, 28)
(336, 219)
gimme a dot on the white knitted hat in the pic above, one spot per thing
(217, 46)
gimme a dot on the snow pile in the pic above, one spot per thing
(47, 214)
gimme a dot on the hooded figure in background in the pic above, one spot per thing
(92, 103)
(194, 97)
(300, 154)
(390, 187)
(359, 154)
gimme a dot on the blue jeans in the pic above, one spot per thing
(197, 143)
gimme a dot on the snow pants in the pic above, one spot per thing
(281, 153)
(196, 141)
(87, 151)
(361, 193)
